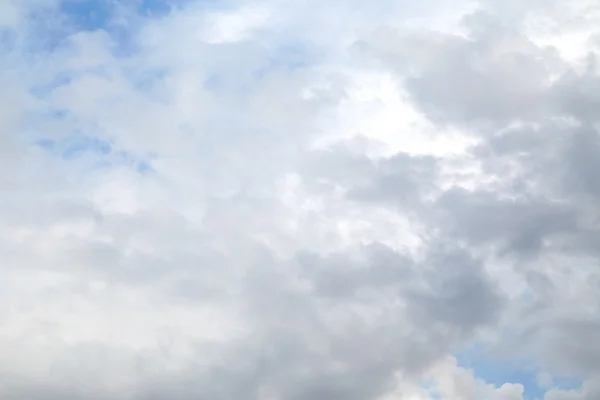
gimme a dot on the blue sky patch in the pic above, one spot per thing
(100, 152)
(44, 89)
(119, 19)
(86, 145)
(75, 147)
(88, 15)
(100, 14)
(156, 8)
(500, 371)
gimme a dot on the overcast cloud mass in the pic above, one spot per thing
(300, 200)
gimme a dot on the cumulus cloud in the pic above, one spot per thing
(299, 200)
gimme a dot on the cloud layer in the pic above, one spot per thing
(299, 200)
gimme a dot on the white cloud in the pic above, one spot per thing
(286, 200)
(224, 27)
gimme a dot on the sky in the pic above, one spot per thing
(299, 200)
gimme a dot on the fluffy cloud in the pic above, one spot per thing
(284, 200)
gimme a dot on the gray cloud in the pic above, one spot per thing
(530, 111)
(267, 252)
